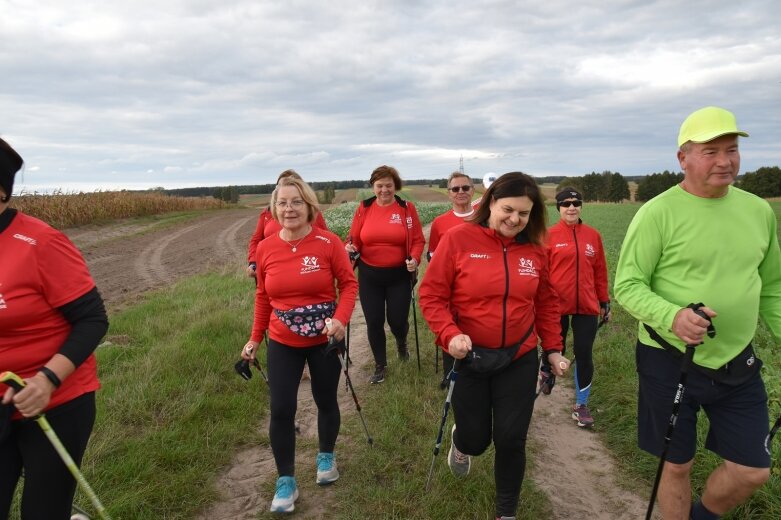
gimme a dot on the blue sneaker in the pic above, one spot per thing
(285, 496)
(326, 469)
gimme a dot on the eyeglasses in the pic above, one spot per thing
(465, 189)
(295, 204)
(568, 203)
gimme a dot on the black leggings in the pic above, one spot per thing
(498, 405)
(285, 366)
(378, 286)
(584, 331)
(48, 485)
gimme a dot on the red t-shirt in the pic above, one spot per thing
(41, 270)
(443, 223)
(288, 279)
(492, 289)
(380, 235)
(267, 226)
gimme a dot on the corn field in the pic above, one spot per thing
(68, 210)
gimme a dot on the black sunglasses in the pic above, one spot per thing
(455, 189)
(568, 203)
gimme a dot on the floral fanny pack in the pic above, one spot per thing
(307, 320)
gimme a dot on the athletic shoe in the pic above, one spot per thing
(547, 380)
(379, 375)
(581, 413)
(326, 469)
(459, 463)
(285, 496)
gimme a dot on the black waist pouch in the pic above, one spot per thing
(737, 371)
(485, 360)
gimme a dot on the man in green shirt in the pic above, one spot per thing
(703, 241)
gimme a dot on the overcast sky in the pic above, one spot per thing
(175, 93)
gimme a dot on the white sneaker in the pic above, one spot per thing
(326, 469)
(285, 496)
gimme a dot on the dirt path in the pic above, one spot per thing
(126, 260)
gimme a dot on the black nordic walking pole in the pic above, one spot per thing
(413, 281)
(333, 345)
(687, 361)
(448, 399)
(18, 384)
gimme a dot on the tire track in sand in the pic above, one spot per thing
(149, 264)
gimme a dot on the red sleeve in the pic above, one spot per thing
(257, 236)
(600, 272)
(345, 281)
(547, 318)
(63, 271)
(355, 229)
(433, 236)
(320, 221)
(417, 240)
(262, 301)
(434, 295)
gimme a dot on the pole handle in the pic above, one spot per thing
(12, 380)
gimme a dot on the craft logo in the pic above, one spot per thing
(23, 238)
(560, 244)
(590, 250)
(310, 265)
(526, 267)
(324, 239)
(479, 256)
(395, 218)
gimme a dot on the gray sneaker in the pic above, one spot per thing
(459, 463)
(379, 375)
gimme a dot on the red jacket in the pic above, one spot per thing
(380, 235)
(578, 268)
(267, 226)
(492, 289)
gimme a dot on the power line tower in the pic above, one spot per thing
(461, 165)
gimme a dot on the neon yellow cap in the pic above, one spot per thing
(706, 124)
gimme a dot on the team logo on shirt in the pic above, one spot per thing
(590, 250)
(526, 267)
(479, 256)
(409, 222)
(23, 238)
(324, 239)
(395, 218)
(309, 265)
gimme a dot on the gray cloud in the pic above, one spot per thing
(141, 93)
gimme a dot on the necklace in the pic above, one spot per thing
(294, 247)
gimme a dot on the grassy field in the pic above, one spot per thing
(172, 412)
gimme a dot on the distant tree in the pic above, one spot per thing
(233, 195)
(765, 182)
(618, 188)
(575, 182)
(652, 185)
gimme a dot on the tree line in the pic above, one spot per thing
(603, 187)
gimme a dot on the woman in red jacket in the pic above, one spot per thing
(268, 225)
(387, 233)
(489, 299)
(51, 320)
(579, 275)
(296, 271)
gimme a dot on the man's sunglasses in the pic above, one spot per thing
(465, 189)
(568, 203)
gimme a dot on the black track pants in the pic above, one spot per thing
(498, 406)
(48, 486)
(384, 290)
(285, 366)
(584, 331)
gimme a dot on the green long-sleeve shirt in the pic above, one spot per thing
(682, 249)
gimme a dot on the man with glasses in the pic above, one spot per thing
(459, 190)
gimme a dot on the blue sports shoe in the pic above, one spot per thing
(285, 496)
(326, 469)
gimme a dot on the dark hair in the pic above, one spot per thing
(10, 163)
(516, 184)
(381, 172)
